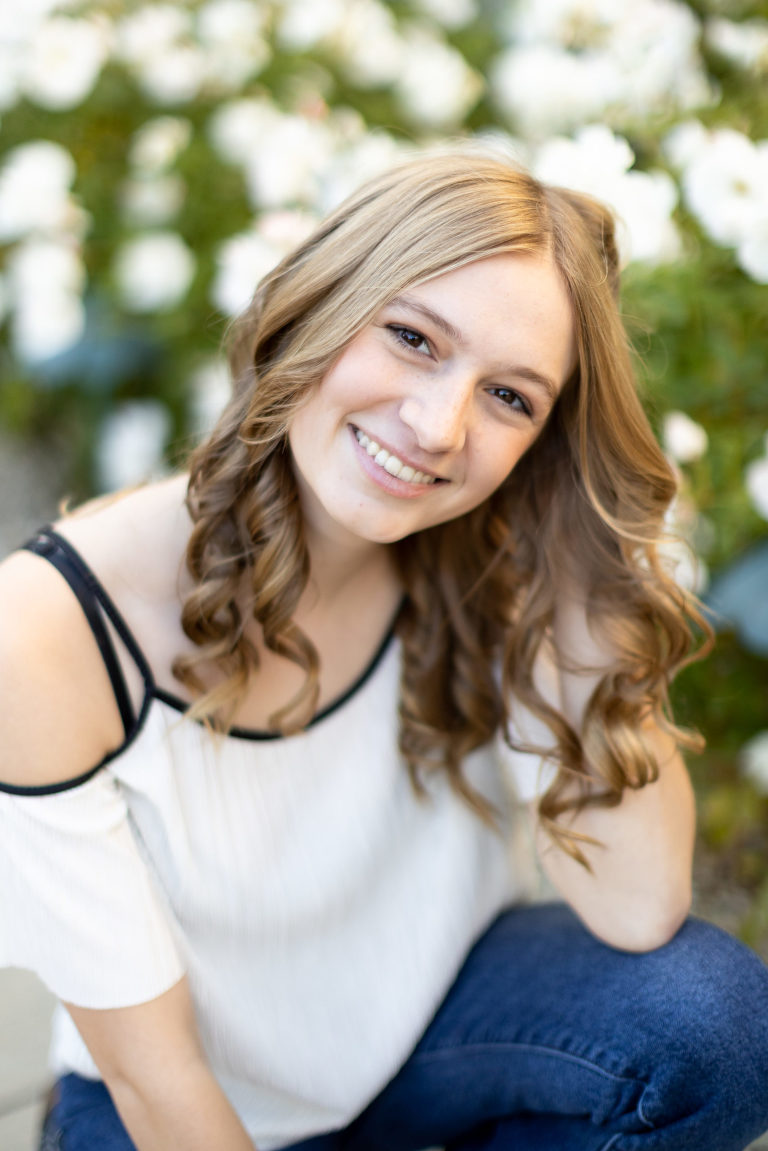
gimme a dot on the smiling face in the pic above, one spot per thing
(431, 405)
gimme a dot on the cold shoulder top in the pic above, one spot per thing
(318, 907)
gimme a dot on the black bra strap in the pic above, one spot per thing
(94, 600)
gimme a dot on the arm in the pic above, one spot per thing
(152, 1062)
(639, 889)
(59, 719)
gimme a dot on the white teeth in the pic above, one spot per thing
(391, 463)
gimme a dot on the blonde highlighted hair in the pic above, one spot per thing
(584, 508)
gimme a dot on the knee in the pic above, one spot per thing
(711, 1019)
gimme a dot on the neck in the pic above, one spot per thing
(339, 565)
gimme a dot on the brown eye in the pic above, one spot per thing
(512, 399)
(409, 337)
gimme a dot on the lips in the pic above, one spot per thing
(391, 463)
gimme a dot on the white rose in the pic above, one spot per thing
(753, 760)
(151, 31)
(286, 167)
(45, 326)
(34, 189)
(154, 271)
(752, 252)
(173, 76)
(242, 261)
(369, 44)
(131, 443)
(756, 481)
(64, 61)
(545, 89)
(644, 203)
(724, 186)
(372, 153)
(211, 388)
(744, 44)
(304, 23)
(593, 158)
(153, 200)
(655, 46)
(597, 162)
(683, 143)
(684, 440)
(436, 86)
(236, 128)
(231, 35)
(46, 279)
(158, 142)
(575, 24)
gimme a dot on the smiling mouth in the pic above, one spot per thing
(390, 463)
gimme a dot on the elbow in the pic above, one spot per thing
(645, 929)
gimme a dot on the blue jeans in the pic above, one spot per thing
(551, 1041)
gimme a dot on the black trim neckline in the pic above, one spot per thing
(260, 734)
(85, 584)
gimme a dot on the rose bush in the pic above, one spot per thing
(157, 158)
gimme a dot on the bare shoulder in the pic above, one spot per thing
(135, 541)
(59, 716)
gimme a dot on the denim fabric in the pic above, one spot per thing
(551, 1041)
(83, 1118)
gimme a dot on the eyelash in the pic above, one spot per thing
(400, 331)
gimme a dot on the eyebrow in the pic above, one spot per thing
(547, 384)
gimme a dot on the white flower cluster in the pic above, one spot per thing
(573, 61)
(724, 176)
(295, 167)
(600, 163)
(154, 269)
(153, 194)
(433, 83)
(176, 53)
(48, 57)
(567, 63)
(43, 222)
(245, 259)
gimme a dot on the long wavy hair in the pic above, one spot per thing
(584, 508)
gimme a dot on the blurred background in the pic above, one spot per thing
(157, 158)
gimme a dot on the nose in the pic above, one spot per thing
(438, 413)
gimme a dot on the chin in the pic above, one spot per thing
(374, 532)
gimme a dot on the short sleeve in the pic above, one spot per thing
(531, 773)
(78, 905)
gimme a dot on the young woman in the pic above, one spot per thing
(267, 727)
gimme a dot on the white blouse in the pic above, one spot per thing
(319, 908)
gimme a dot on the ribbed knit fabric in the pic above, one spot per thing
(318, 907)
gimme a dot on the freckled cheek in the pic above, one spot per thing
(499, 459)
(360, 383)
